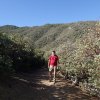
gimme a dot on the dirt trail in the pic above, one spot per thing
(37, 87)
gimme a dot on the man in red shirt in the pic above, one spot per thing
(52, 65)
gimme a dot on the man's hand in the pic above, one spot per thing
(58, 62)
(48, 67)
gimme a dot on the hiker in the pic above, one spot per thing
(52, 65)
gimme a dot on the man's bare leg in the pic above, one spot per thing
(50, 75)
(54, 78)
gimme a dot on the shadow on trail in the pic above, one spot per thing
(37, 87)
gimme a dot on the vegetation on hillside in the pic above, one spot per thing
(83, 56)
(16, 57)
(77, 45)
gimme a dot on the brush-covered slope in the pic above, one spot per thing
(77, 44)
(50, 35)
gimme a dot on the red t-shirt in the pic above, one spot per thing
(53, 60)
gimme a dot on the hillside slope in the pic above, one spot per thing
(77, 44)
(50, 35)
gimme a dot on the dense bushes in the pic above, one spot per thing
(83, 57)
(16, 58)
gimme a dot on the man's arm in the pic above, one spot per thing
(48, 62)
